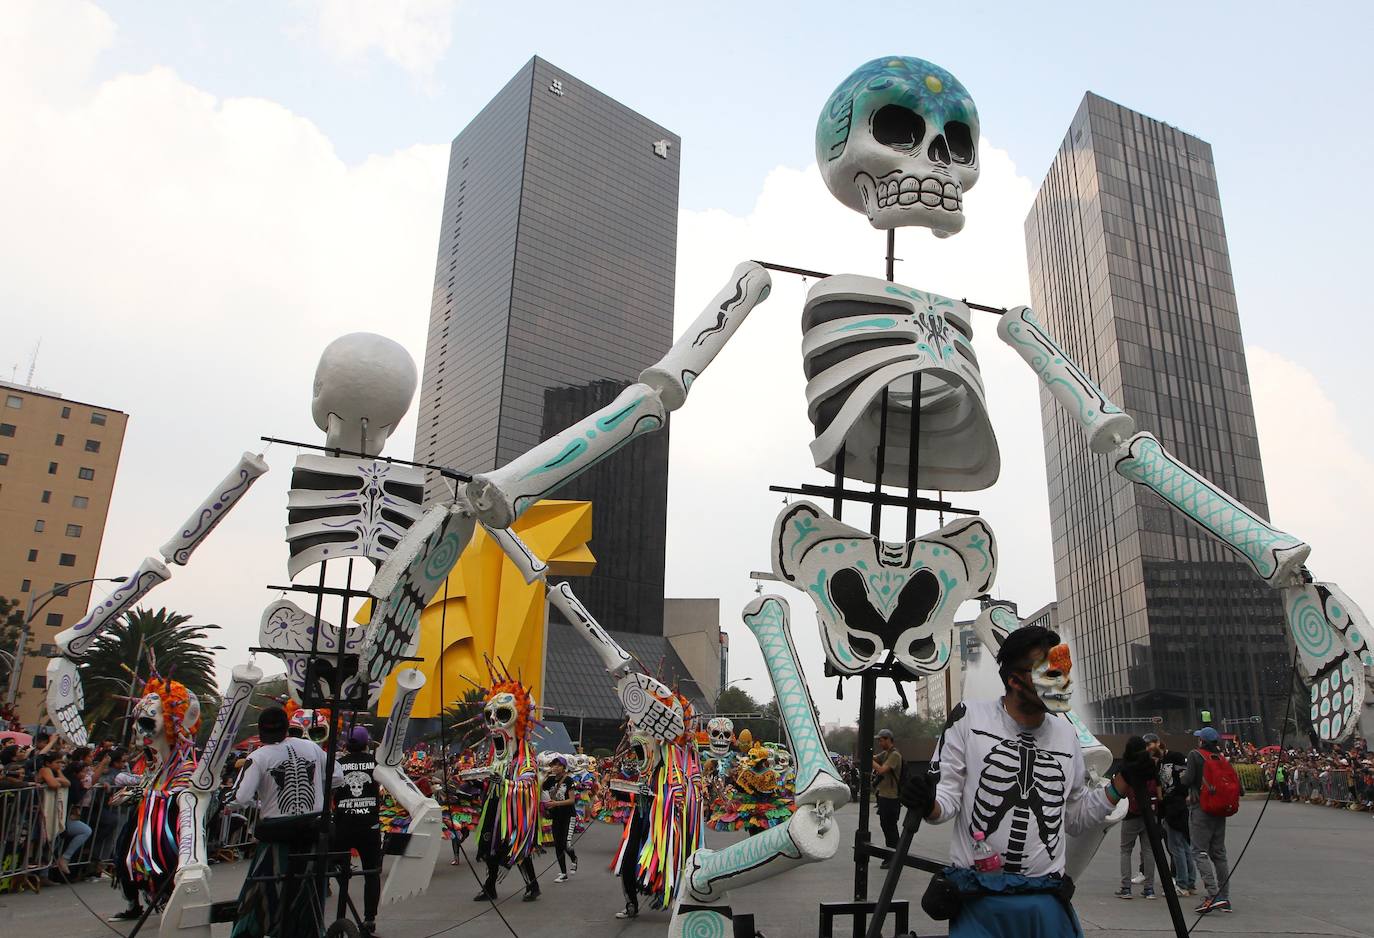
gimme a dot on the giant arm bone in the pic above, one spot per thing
(411, 871)
(810, 834)
(992, 626)
(187, 914)
(64, 694)
(421, 562)
(1332, 650)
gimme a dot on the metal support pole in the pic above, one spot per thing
(868, 693)
(1162, 864)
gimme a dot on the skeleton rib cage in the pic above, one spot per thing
(1025, 781)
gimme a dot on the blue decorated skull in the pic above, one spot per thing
(898, 141)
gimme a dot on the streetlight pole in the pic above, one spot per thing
(17, 667)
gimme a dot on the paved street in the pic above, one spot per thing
(1305, 874)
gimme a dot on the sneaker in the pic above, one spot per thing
(128, 915)
(1138, 878)
(531, 895)
(561, 878)
(631, 910)
(1223, 905)
(572, 867)
(1149, 892)
(370, 929)
(1181, 890)
(1123, 893)
(885, 865)
(484, 896)
(1207, 905)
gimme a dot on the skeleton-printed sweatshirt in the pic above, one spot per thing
(285, 778)
(1023, 787)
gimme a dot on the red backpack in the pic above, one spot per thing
(1219, 793)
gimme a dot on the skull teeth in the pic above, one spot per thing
(930, 192)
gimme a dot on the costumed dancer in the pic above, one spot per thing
(462, 802)
(615, 797)
(1013, 777)
(509, 825)
(665, 826)
(559, 801)
(166, 720)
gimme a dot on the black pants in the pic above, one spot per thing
(629, 860)
(526, 868)
(562, 823)
(889, 813)
(368, 842)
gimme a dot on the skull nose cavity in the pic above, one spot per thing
(898, 127)
(939, 150)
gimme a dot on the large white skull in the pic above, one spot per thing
(363, 386)
(898, 141)
(500, 717)
(645, 753)
(721, 731)
(1052, 681)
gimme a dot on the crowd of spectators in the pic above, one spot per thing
(1339, 776)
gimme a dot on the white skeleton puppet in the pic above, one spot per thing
(720, 735)
(1054, 683)
(1328, 629)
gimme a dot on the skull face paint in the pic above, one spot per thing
(898, 141)
(1052, 681)
(720, 730)
(644, 753)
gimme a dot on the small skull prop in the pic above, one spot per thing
(898, 141)
(782, 761)
(720, 730)
(1052, 681)
(500, 716)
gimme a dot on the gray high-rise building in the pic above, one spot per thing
(553, 290)
(1129, 270)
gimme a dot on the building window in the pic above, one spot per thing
(4, 459)
(86, 473)
(67, 560)
(40, 681)
(47, 650)
(25, 586)
(73, 530)
(66, 412)
(54, 618)
(6, 429)
(33, 556)
(52, 468)
(80, 501)
(14, 401)
(45, 497)
(98, 419)
(92, 446)
(59, 439)
(39, 525)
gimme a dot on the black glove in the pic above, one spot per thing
(918, 792)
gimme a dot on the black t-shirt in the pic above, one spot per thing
(559, 789)
(355, 802)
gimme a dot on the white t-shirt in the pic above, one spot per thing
(285, 778)
(1023, 787)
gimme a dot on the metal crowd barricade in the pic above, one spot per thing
(25, 850)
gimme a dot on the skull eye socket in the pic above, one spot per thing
(959, 138)
(503, 715)
(898, 127)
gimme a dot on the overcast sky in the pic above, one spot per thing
(198, 197)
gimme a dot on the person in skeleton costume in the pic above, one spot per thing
(509, 825)
(166, 720)
(1008, 770)
(285, 777)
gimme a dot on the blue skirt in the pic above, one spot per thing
(1002, 905)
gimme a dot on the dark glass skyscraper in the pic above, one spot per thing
(1129, 270)
(553, 290)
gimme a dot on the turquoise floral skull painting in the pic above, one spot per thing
(898, 141)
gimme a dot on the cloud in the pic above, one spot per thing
(185, 258)
(414, 34)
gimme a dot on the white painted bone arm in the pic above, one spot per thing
(501, 496)
(616, 659)
(410, 873)
(213, 510)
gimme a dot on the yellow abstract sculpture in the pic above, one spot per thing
(487, 610)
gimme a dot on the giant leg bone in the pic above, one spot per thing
(410, 873)
(1332, 652)
(810, 835)
(188, 911)
(992, 626)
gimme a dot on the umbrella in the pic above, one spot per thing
(1269, 749)
(12, 738)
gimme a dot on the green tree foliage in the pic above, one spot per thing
(138, 641)
(11, 624)
(767, 727)
(905, 726)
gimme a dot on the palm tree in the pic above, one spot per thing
(124, 655)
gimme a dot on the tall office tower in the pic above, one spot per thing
(1130, 272)
(553, 290)
(58, 460)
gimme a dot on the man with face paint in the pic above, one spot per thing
(1012, 770)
